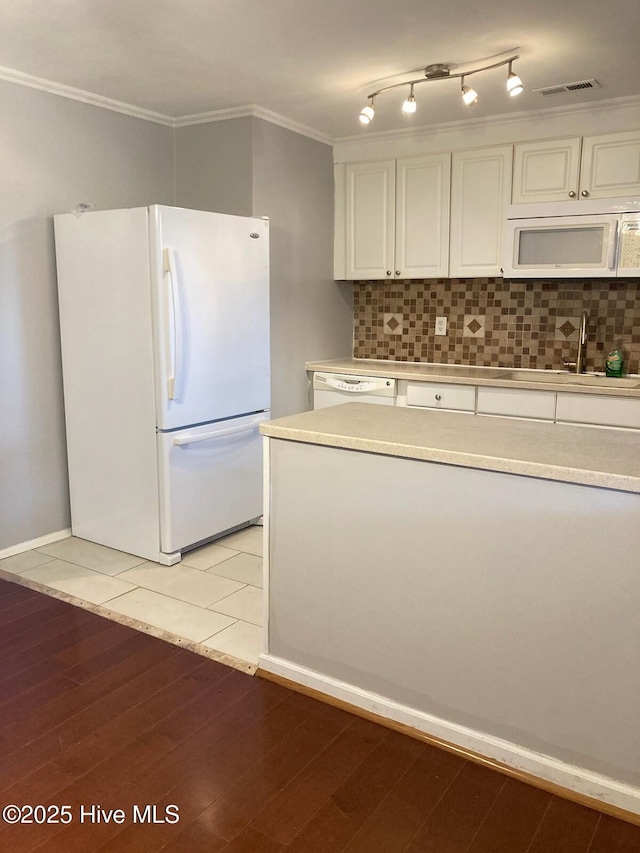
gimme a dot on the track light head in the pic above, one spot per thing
(469, 95)
(367, 113)
(514, 83)
(409, 106)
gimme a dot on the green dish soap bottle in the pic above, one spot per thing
(614, 362)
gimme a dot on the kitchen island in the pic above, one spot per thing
(474, 579)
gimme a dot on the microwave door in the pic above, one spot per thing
(562, 247)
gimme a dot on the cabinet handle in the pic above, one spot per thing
(397, 272)
(584, 193)
(388, 272)
(572, 194)
(438, 397)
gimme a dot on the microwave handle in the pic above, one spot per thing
(613, 247)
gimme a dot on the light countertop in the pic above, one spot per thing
(606, 458)
(470, 375)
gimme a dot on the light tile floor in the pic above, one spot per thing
(212, 598)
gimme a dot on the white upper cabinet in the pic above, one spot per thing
(422, 217)
(397, 218)
(610, 165)
(553, 170)
(480, 189)
(370, 220)
(442, 215)
(546, 170)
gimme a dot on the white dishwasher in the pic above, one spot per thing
(331, 389)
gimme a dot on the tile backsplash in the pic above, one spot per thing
(496, 323)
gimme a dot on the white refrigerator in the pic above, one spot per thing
(164, 319)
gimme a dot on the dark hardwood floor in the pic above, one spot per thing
(94, 714)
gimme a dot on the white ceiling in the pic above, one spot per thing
(313, 62)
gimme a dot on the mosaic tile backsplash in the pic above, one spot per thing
(497, 323)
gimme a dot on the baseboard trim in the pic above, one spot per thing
(21, 547)
(577, 784)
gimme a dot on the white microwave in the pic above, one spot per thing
(576, 239)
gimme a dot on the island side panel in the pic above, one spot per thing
(507, 604)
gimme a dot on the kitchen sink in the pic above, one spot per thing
(560, 377)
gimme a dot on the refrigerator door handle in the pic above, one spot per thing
(173, 334)
(210, 436)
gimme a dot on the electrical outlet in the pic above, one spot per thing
(441, 325)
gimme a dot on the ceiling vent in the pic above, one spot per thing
(565, 88)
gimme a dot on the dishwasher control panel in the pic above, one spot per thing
(331, 389)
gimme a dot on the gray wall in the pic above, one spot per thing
(213, 166)
(54, 153)
(311, 315)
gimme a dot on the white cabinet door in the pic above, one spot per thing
(546, 170)
(480, 189)
(370, 215)
(611, 165)
(422, 217)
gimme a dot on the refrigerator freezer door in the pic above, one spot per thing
(210, 293)
(210, 480)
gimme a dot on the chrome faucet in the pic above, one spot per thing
(582, 346)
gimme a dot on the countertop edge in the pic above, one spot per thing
(618, 482)
(430, 452)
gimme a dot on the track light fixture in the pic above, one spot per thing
(442, 71)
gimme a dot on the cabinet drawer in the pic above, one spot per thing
(516, 403)
(430, 395)
(595, 409)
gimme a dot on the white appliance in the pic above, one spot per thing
(164, 317)
(585, 239)
(331, 389)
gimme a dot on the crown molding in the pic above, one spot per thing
(214, 115)
(12, 76)
(492, 121)
(295, 126)
(253, 111)
(81, 95)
